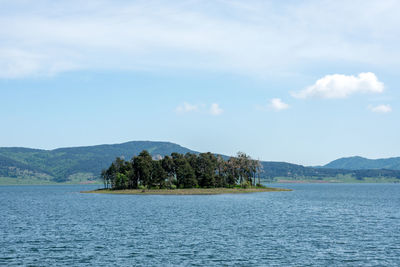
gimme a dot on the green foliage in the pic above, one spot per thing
(207, 164)
(186, 177)
(142, 166)
(158, 175)
(180, 171)
(246, 184)
(86, 163)
(61, 164)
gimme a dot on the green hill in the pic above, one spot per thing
(81, 164)
(360, 163)
(65, 164)
(298, 172)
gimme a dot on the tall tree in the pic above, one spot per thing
(158, 175)
(186, 171)
(244, 166)
(103, 175)
(110, 174)
(220, 176)
(206, 164)
(167, 164)
(182, 170)
(185, 176)
(142, 165)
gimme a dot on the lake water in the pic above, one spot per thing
(314, 225)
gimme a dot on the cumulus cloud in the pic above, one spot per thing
(342, 86)
(215, 109)
(381, 108)
(277, 104)
(186, 107)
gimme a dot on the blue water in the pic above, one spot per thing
(314, 225)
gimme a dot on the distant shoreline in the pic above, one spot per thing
(351, 181)
(307, 182)
(188, 191)
(283, 181)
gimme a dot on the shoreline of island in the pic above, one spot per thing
(188, 191)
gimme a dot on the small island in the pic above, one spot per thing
(188, 191)
(183, 174)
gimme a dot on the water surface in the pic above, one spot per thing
(316, 224)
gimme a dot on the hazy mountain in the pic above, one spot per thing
(298, 172)
(360, 163)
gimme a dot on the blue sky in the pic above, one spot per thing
(301, 81)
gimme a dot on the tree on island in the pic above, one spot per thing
(204, 170)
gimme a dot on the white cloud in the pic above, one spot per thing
(275, 36)
(381, 108)
(342, 86)
(215, 109)
(186, 107)
(277, 104)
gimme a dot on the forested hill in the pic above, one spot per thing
(64, 164)
(290, 171)
(360, 163)
(79, 164)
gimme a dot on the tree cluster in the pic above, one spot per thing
(204, 170)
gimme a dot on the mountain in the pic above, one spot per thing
(360, 163)
(64, 164)
(298, 172)
(81, 164)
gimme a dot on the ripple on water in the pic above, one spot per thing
(314, 225)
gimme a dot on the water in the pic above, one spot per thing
(315, 225)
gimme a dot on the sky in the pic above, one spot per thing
(304, 82)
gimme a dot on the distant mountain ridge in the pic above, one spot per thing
(81, 164)
(360, 163)
(61, 163)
